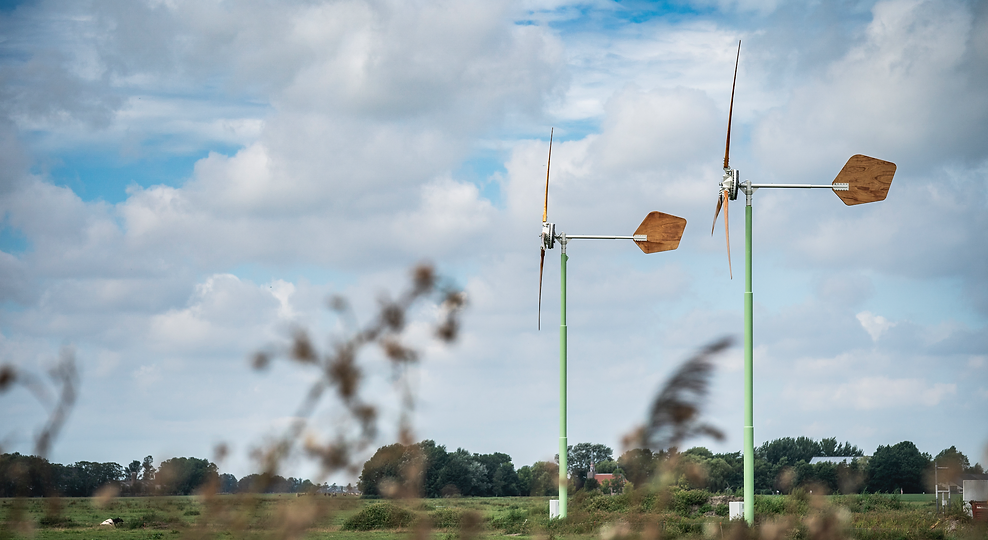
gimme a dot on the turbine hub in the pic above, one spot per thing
(731, 182)
(548, 235)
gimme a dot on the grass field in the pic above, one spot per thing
(635, 515)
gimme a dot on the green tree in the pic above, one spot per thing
(540, 479)
(829, 447)
(501, 474)
(386, 468)
(732, 477)
(133, 472)
(464, 475)
(436, 458)
(183, 476)
(228, 483)
(504, 482)
(147, 474)
(955, 462)
(720, 474)
(897, 467)
(582, 456)
(639, 465)
(794, 450)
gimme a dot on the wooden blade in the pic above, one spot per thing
(730, 112)
(720, 202)
(727, 233)
(541, 265)
(545, 207)
(663, 232)
(868, 180)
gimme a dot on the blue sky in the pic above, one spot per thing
(184, 182)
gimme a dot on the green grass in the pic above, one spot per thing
(681, 514)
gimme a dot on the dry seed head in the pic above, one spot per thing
(105, 495)
(221, 451)
(345, 374)
(260, 360)
(423, 278)
(302, 349)
(397, 352)
(392, 315)
(7, 376)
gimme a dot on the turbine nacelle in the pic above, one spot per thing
(548, 235)
(730, 184)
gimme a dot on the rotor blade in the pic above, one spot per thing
(727, 234)
(720, 201)
(545, 207)
(730, 112)
(541, 264)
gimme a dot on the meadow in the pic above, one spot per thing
(641, 514)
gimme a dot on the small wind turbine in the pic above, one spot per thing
(657, 232)
(862, 180)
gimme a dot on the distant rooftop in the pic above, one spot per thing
(833, 459)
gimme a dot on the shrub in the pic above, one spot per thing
(721, 510)
(768, 504)
(446, 518)
(379, 516)
(147, 519)
(686, 502)
(55, 520)
(514, 521)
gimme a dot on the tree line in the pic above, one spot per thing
(428, 469)
(32, 476)
(781, 465)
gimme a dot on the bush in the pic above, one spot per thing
(514, 521)
(721, 510)
(147, 519)
(379, 516)
(688, 501)
(55, 520)
(446, 518)
(770, 504)
(879, 501)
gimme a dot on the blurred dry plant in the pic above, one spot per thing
(676, 413)
(340, 377)
(675, 416)
(57, 396)
(340, 374)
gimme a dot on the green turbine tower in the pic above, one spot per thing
(657, 232)
(862, 180)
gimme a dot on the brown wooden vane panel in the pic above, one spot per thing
(663, 232)
(868, 179)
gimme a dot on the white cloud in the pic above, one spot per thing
(876, 325)
(350, 122)
(871, 393)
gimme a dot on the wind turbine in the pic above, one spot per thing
(862, 180)
(657, 232)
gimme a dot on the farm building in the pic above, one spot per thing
(974, 487)
(836, 460)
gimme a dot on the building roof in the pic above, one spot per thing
(833, 459)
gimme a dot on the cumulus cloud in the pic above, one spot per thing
(328, 140)
(876, 325)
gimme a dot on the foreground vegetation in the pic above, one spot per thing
(636, 514)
